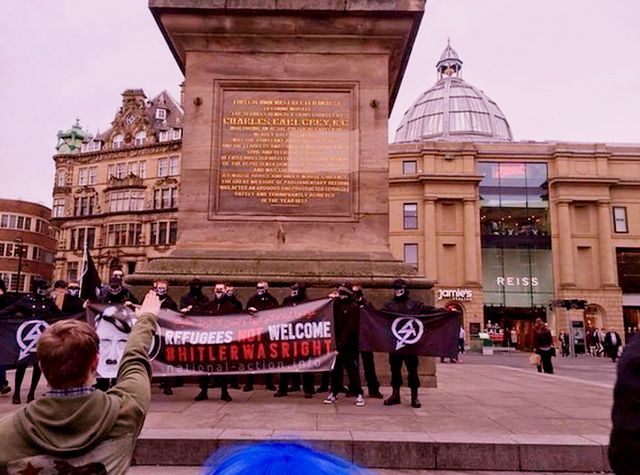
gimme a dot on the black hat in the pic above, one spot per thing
(299, 286)
(399, 284)
(195, 281)
(60, 284)
(39, 284)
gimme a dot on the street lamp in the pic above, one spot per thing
(18, 250)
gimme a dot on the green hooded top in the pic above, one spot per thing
(95, 432)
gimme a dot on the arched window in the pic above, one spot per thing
(140, 138)
(117, 141)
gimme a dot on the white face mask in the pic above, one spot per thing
(261, 291)
(294, 292)
(398, 292)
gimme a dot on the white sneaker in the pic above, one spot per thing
(330, 399)
(359, 400)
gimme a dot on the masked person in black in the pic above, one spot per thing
(72, 302)
(36, 305)
(368, 363)
(297, 296)
(218, 306)
(118, 293)
(346, 317)
(161, 288)
(261, 300)
(402, 304)
(194, 299)
(230, 292)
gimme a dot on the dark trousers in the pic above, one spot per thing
(411, 362)
(369, 367)
(545, 361)
(307, 382)
(268, 379)
(35, 378)
(203, 382)
(3, 376)
(624, 452)
(346, 361)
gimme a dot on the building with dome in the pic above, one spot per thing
(514, 230)
(118, 190)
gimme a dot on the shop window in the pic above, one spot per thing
(410, 216)
(620, 219)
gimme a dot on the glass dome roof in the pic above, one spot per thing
(453, 110)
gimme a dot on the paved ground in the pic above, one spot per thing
(498, 401)
(588, 368)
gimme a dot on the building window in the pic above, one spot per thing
(58, 208)
(410, 215)
(620, 219)
(165, 198)
(83, 176)
(411, 254)
(409, 167)
(60, 179)
(124, 234)
(143, 169)
(117, 141)
(163, 233)
(84, 205)
(41, 226)
(93, 146)
(6, 249)
(163, 136)
(121, 170)
(72, 271)
(161, 114)
(111, 171)
(126, 200)
(173, 166)
(79, 235)
(177, 134)
(163, 167)
(140, 138)
(133, 168)
(93, 175)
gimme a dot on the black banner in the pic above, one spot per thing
(19, 337)
(432, 334)
(285, 339)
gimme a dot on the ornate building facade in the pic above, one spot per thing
(118, 191)
(27, 243)
(511, 230)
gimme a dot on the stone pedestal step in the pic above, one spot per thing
(392, 450)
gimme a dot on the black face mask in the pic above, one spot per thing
(195, 289)
(73, 291)
(114, 290)
(42, 292)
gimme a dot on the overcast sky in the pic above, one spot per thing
(559, 70)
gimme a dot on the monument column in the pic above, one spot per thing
(284, 157)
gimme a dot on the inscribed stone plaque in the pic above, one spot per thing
(284, 151)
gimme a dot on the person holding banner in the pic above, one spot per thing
(35, 305)
(262, 300)
(194, 299)
(368, 363)
(161, 288)
(297, 296)
(118, 293)
(402, 304)
(76, 429)
(72, 302)
(4, 302)
(218, 306)
(346, 317)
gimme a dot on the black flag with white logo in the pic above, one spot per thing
(431, 334)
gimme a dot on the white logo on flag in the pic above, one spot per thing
(407, 333)
(28, 335)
